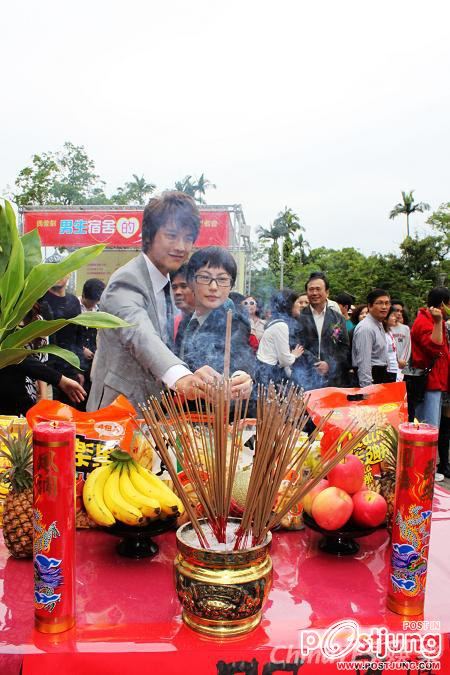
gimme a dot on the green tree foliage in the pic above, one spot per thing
(64, 177)
(283, 261)
(134, 192)
(408, 206)
(195, 187)
(422, 262)
(68, 177)
(34, 183)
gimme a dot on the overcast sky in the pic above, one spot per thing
(330, 108)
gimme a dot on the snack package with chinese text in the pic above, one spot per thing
(97, 434)
(380, 406)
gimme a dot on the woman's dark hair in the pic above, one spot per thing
(356, 312)
(385, 321)
(405, 316)
(237, 298)
(281, 303)
(292, 298)
(259, 304)
(212, 256)
(172, 207)
(437, 296)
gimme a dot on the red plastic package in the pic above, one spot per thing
(380, 406)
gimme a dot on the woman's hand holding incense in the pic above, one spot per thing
(241, 384)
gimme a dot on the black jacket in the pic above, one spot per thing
(334, 347)
(206, 344)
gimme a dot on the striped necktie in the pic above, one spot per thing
(169, 315)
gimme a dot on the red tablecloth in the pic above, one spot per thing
(128, 616)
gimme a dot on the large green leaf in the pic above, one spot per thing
(11, 282)
(8, 232)
(9, 357)
(31, 243)
(43, 328)
(42, 277)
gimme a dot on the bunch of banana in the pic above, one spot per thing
(125, 491)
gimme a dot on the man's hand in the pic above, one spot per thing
(88, 354)
(401, 364)
(72, 389)
(189, 385)
(436, 314)
(322, 367)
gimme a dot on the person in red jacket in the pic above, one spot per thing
(430, 349)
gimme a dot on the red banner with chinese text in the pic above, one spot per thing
(116, 229)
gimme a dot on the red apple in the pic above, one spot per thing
(348, 474)
(332, 508)
(312, 494)
(369, 508)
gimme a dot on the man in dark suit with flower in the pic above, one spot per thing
(322, 332)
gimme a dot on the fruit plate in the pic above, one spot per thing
(137, 542)
(342, 541)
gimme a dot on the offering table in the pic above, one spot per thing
(129, 618)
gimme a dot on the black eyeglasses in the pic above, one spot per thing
(206, 280)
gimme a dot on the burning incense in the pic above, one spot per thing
(227, 353)
(209, 454)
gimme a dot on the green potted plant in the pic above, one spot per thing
(24, 278)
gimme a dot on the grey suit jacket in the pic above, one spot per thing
(130, 361)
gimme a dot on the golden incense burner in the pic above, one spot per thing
(222, 591)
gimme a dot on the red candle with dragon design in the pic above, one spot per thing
(416, 466)
(54, 526)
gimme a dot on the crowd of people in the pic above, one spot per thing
(176, 305)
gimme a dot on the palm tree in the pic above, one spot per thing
(195, 187)
(408, 206)
(285, 225)
(138, 189)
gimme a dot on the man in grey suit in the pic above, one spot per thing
(137, 361)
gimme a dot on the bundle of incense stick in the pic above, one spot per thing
(214, 450)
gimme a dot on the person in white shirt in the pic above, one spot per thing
(275, 357)
(402, 335)
(393, 370)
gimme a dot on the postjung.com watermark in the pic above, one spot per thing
(352, 647)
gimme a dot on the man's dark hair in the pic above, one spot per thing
(212, 256)
(345, 299)
(93, 289)
(317, 275)
(437, 296)
(171, 207)
(398, 302)
(281, 303)
(181, 272)
(376, 293)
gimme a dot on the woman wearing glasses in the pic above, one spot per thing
(211, 273)
(250, 305)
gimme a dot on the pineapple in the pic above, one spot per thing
(18, 506)
(386, 482)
